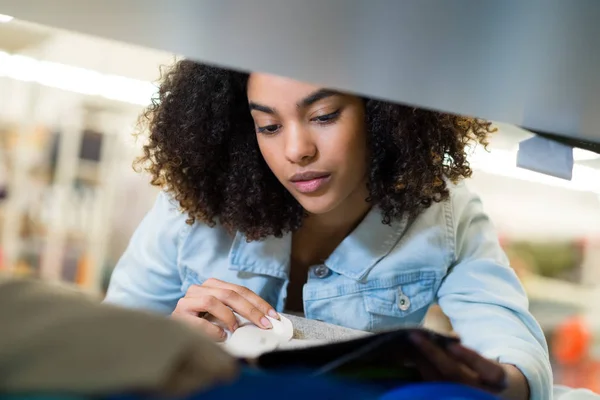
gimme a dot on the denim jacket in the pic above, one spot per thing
(380, 277)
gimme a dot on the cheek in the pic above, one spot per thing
(349, 151)
(270, 153)
(357, 146)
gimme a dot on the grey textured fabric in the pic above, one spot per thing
(305, 329)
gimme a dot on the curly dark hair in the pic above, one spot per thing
(203, 151)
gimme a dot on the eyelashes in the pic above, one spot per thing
(327, 118)
(268, 129)
(321, 120)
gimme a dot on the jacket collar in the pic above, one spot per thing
(358, 253)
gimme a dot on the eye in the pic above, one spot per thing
(268, 129)
(327, 118)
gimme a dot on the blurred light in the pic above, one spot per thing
(504, 163)
(5, 18)
(584, 155)
(75, 79)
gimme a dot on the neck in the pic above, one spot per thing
(343, 219)
(320, 234)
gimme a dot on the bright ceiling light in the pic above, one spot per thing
(5, 18)
(584, 155)
(504, 163)
(75, 79)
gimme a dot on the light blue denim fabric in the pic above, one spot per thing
(380, 277)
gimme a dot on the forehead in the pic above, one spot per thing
(266, 88)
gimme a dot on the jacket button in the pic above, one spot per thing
(321, 271)
(403, 302)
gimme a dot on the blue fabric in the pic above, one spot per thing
(437, 391)
(299, 387)
(253, 384)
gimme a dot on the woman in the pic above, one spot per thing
(282, 195)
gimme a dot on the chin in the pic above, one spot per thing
(317, 206)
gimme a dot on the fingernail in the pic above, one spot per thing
(266, 323)
(223, 334)
(234, 327)
(273, 314)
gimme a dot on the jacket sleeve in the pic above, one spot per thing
(147, 276)
(485, 300)
(56, 339)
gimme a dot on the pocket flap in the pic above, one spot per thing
(412, 292)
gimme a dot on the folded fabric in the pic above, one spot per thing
(55, 339)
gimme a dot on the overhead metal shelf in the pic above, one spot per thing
(532, 63)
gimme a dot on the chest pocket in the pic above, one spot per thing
(403, 303)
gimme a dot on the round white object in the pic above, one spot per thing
(282, 328)
(251, 341)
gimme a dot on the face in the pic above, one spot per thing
(313, 139)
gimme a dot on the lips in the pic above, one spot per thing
(311, 181)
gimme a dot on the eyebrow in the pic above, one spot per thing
(305, 102)
(316, 96)
(261, 108)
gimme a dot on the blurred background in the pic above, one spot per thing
(70, 200)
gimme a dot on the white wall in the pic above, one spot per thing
(535, 211)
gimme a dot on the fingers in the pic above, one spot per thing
(211, 330)
(221, 300)
(210, 304)
(427, 370)
(448, 368)
(240, 305)
(264, 307)
(240, 299)
(490, 373)
(458, 364)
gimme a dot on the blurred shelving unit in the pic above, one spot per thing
(68, 105)
(61, 195)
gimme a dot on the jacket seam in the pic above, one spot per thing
(450, 230)
(183, 235)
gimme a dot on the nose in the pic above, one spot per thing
(300, 147)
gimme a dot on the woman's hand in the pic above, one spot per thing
(458, 364)
(220, 299)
